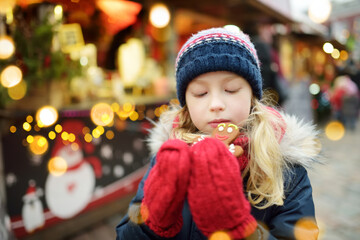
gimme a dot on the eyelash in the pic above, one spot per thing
(200, 95)
(232, 91)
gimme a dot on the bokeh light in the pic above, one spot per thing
(344, 55)
(75, 147)
(110, 134)
(58, 12)
(57, 166)
(328, 47)
(96, 133)
(100, 129)
(159, 15)
(29, 119)
(7, 47)
(314, 88)
(88, 137)
(115, 107)
(134, 116)
(65, 136)
(30, 139)
(128, 107)
(12, 129)
(26, 126)
(37, 128)
(52, 135)
(18, 91)
(85, 130)
(71, 137)
(46, 116)
(39, 145)
(58, 128)
(102, 114)
(305, 229)
(11, 76)
(319, 10)
(335, 130)
(220, 235)
(335, 53)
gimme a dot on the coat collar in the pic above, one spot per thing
(299, 144)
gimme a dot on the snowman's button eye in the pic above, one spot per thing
(229, 130)
(221, 128)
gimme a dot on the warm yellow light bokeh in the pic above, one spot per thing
(58, 128)
(159, 15)
(30, 139)
(102, 114)
(335, 130)
(46, 116)
(26, 126)
(220, 235)
(306, 229)
(134, 116)
(109, 134)
(11, 76)
(13, 129)
(18, 91)
(57, 166)
(65, 136)
(335, 53)
(39, 145)
(52, 135)
(88, 137)
(7, 47)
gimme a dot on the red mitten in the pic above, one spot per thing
(215, 193)
(165, 189)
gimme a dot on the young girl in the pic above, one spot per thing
(195, 187)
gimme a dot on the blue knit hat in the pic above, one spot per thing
(217, 49)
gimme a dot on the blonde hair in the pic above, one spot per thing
(265, 185)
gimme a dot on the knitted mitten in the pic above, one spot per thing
(215, 193)
(165, 189)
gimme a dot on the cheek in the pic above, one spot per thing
(243, 112)
(195, 113)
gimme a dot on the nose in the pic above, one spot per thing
(216, 104)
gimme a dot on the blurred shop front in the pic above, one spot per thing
(86, 82)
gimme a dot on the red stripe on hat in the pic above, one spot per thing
(210, 35)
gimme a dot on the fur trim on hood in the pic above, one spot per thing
(299, 145)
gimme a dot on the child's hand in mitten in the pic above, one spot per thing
(215, 193)
(165, 189)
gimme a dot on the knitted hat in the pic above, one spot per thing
(217, 49)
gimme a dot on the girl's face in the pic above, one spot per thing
(218, 97)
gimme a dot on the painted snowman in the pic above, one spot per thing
(69, 193)
(32, 210)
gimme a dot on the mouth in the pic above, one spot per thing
(216, 122)
(221, 137)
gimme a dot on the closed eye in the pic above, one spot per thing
(231, 90)
(199, 94)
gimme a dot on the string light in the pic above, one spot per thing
(319, 11)
(46, 116)
(11, 76)
(159, 15)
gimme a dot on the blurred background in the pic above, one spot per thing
(82, 81)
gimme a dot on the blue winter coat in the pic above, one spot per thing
(279, 220)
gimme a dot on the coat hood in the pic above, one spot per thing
(299, 145)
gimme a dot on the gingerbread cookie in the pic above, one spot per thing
(227, 133)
